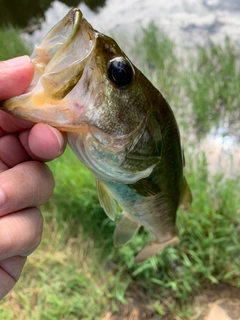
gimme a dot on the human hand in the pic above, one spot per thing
(25, 181)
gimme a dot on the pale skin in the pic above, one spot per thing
(25, 181)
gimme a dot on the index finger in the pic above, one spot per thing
(15, 76)
(11, 124)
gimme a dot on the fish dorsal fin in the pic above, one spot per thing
(186, 198)
(106, 200)
(144, 187)
(124, 231)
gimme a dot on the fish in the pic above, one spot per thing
(118, 125)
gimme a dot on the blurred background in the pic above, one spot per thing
(190, 50)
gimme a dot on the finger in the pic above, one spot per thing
(43, 142)
(10, 271)
(12, 151)
(15, 76)
(20, 232)
(29, 184)
(11, 124)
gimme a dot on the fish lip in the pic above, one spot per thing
(75, 18)
(75, 15)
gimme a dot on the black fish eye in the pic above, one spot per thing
(120, 72)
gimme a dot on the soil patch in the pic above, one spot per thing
(140, 307)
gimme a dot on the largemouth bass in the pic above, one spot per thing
(117, 123)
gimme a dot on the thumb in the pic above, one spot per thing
(15, 76)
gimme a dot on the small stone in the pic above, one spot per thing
(217, 313)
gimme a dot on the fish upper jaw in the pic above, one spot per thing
(71, 83)
(59, 63)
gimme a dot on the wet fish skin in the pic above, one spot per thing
(118, 124)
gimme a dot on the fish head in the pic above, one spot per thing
(85, 85)
(81, 76)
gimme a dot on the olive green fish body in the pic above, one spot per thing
(152, 201)
(117, 123)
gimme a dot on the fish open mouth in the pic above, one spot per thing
(62, 55)
(59, 62)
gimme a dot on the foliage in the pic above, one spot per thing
(71, 275)
(11, 43)
(213, 84)
(76, 273)
(202, 87)
(155, 54)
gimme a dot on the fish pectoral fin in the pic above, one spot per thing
(106, 200)
(124, 231)
(186, 199)
(144, 187)
(152, 248)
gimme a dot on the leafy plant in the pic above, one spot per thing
(213, 84)
(76, 273)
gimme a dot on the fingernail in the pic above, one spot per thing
(25, 254)
(59, 138)
(17, 62)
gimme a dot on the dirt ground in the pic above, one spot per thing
(140, 307)
(225, 296)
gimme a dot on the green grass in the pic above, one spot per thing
(202, 86)
(11, 43)
(76, 273)
(155, 51)
(213, 85)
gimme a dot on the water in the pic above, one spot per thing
(188, 22)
